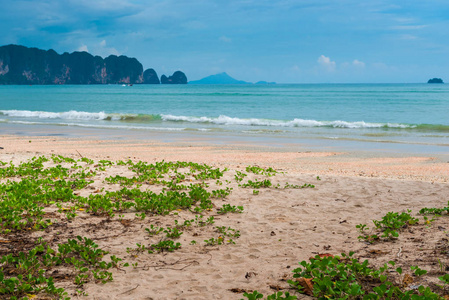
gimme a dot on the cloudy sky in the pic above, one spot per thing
(287, 41)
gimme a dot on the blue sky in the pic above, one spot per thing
(302, 41)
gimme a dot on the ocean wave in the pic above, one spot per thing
(225, 120)
(68, 115)
(90, 117)
(80, 115)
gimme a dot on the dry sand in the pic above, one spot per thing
(279, 227)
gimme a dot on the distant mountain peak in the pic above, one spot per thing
(220, 78)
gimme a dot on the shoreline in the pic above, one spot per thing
(374, 164)
(293, 143)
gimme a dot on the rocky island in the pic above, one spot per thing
(435, 80)
(221, 78)
(177, 78)
(23, 65)
(224, 78)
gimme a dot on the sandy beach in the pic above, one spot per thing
(279, 226)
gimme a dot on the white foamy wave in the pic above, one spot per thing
(225, 120)
(68, 115)
(26, 123)
(221, 120)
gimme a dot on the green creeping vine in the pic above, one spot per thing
(111, 203)
(26, 272)
(172, 233)
(153, 230)
(216, 241)
(295, 186)
(276, 296)
(239, 176)
(389, 226)
(225, 232)
(228, 208)
(257, 184)
(164, 246)
(346, 278)
(67, 187)
(229, 232)
(435, 211)
(258, 170)
(221, 193)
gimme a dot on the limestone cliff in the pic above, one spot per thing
(22, 65)
(177, 78)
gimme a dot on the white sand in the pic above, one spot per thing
(279, 227)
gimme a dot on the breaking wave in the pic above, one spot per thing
(225, 120)
(79, 115)
(26, 115)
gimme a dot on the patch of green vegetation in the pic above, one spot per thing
(239, 176)
(276, 296)
(346, 277)
(388, 227)
(228, 208)
(27, 272)
(256, 184)
(228, 231)
(164, 246)
(154, 230)
(68, 187)
(221, 193)
(435, 211)
(173, 233)
(295, 186)
(215, 241)
(258, 170)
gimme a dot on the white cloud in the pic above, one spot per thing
(83, 48)
(225, 39)
(326, 63)
(358, 63)
(102, 49)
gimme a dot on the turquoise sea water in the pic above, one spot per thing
(411, 115)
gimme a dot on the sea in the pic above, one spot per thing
(411, 118)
